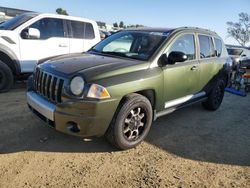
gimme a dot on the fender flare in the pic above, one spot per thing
(4, 49)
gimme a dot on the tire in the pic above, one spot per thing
(215, 97)
(247, 88)
(130, 125)
(6, 78)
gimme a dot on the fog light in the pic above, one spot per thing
(72, 126)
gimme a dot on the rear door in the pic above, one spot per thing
(207, 59)
(53, 41)
(82, 36)
(181, 79)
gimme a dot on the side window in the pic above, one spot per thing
(218, 46)
(49, 27)
(184, 44)
(78, 29)
(206, 47)
(89, 31)
(82, 30)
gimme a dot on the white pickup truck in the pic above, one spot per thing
(30, 37)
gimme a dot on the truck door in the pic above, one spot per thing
(53, 41)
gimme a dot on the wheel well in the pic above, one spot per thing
(8, 61)
(149, 94)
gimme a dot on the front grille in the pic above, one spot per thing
(48, 85)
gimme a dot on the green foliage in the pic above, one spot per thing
(61, 11)
(121, 24)
(240, 30)
(115, 24)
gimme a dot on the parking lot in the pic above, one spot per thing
(189, 148)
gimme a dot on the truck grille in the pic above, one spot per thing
(48, 86)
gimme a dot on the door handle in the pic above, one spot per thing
(194, 68)
(63, 45)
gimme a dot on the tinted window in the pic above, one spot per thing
(49, 27)
(206, 47)
(89, 31)
(82, 30)
(78, 29)
(186, 45)
(218, 45)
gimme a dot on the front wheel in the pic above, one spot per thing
(215, 96)
(131, 123)
(6, 77)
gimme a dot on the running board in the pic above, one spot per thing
(171, 109)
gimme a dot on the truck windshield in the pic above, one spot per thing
(139, 45)
(235, 51)
(16, 21)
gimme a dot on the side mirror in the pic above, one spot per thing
(33, 33)
(30, 33)
(103, 36)
(172, 58)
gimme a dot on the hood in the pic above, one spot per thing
(88, 64)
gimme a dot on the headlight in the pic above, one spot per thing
(98, 92)
(77, 85)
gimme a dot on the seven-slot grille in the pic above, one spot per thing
(48, 85)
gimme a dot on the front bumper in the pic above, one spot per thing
(91, 118)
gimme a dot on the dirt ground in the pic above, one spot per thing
(189, 148)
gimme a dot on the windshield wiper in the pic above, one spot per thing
(108, 53)
(114, 53)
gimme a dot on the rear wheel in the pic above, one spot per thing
(6, 77)
(215, 97)
(247, 88)
(131, 123)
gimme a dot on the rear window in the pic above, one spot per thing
(89, 31)
(82, 30)
(218, 46)
(78, 29)
(206, 47)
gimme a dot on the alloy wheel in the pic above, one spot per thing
(134, 124)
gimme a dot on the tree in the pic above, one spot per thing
(115, 24)
(61, 11)
(121, 24)
(240, 30)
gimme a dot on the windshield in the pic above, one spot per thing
(139, 45)
(237, 52)
(16, 21)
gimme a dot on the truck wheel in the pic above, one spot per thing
(215, 97)
(131, 123)
(6, 78)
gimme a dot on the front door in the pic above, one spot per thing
(53, 41)
(181, 80)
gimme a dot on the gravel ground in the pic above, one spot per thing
(189, 148)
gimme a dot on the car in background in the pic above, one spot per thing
(104, 34)
(30, 37)
(240, 56)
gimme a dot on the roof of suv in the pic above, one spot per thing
(151, 29)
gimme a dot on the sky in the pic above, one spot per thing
(209, 14)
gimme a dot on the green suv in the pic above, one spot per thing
(128, 80)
